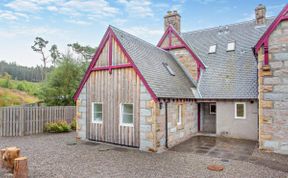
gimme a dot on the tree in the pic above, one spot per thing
(39, 45)
(86, 52)
(7, 83)
(54, 53)
(62, 81)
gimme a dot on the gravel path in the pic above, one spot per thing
(55, 155)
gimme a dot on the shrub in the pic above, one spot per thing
(73, 124)
(57, 127)
(20, 87)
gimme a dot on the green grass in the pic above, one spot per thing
(29, 87)
(11, 97)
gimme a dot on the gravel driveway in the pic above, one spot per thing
(55, 155)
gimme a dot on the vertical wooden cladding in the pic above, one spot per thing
(121, 86)
(118, 56)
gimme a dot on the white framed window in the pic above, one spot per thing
(97, 112)
(179, 115)
(126, 115)
(212, 49)
(231, 46)
(212, 108)
(240, 110)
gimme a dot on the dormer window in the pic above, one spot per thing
(171, 72)
(231, 46)
(212, 49)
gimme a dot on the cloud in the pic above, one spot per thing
(71, 8)
(99, 7)
(141, 8)
(78, 22)
(205, 2)
(149, 34)
(12, 16)
(52, 8)
(29, 31)
(24, 6)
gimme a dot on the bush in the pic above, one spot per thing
(57, 127)
(73, 124)
(20, 87)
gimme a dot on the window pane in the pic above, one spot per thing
(97, 107)
(179, 114)
(240, 110)
(212, 108)
(97, 116)
(128, 108)
(127, 119)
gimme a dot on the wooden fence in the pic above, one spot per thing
(19, 121)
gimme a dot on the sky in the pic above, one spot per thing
(63, 22)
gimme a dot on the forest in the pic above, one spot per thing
(52, 83)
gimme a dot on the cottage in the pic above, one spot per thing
(199, 82)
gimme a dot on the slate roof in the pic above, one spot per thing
(228, 75)
(148, 59)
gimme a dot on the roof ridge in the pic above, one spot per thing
(229, 25)
(139, 39)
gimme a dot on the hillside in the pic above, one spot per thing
(10, 97)
(32, 88)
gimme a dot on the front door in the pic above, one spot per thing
(208, 117)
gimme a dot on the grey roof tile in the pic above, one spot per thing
(228, 74)
(148, 59)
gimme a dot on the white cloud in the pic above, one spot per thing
(52, 8)
(119, 22)
(12, 16)
(205, 2)
(78, 22)
(148, 34)
(25, 31)
(141, 8)
(75, 8)
(24, 6)
(100, 7)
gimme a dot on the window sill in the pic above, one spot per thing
(96, 122)
(127, 125)
(240, 118)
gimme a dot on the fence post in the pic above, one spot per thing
(1, 122)
(22, 132)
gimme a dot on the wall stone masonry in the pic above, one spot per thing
(176, 133)
(147, 121)
(81, 107)
(273, 93)
(185, 58)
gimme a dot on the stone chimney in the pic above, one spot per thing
(260, 14)
(174, 19)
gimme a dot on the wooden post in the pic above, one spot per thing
(2, 151)
(10, 154)
(21, 167)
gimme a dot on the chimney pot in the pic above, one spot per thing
(260, 14)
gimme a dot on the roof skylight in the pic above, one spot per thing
(212, 49)
(231, 46)
(168, 68)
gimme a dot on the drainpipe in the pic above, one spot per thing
(166, 124)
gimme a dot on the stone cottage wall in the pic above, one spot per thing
(81, 114)
(185, 58)
(176, 133)
(147, 121)
(273, 93)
